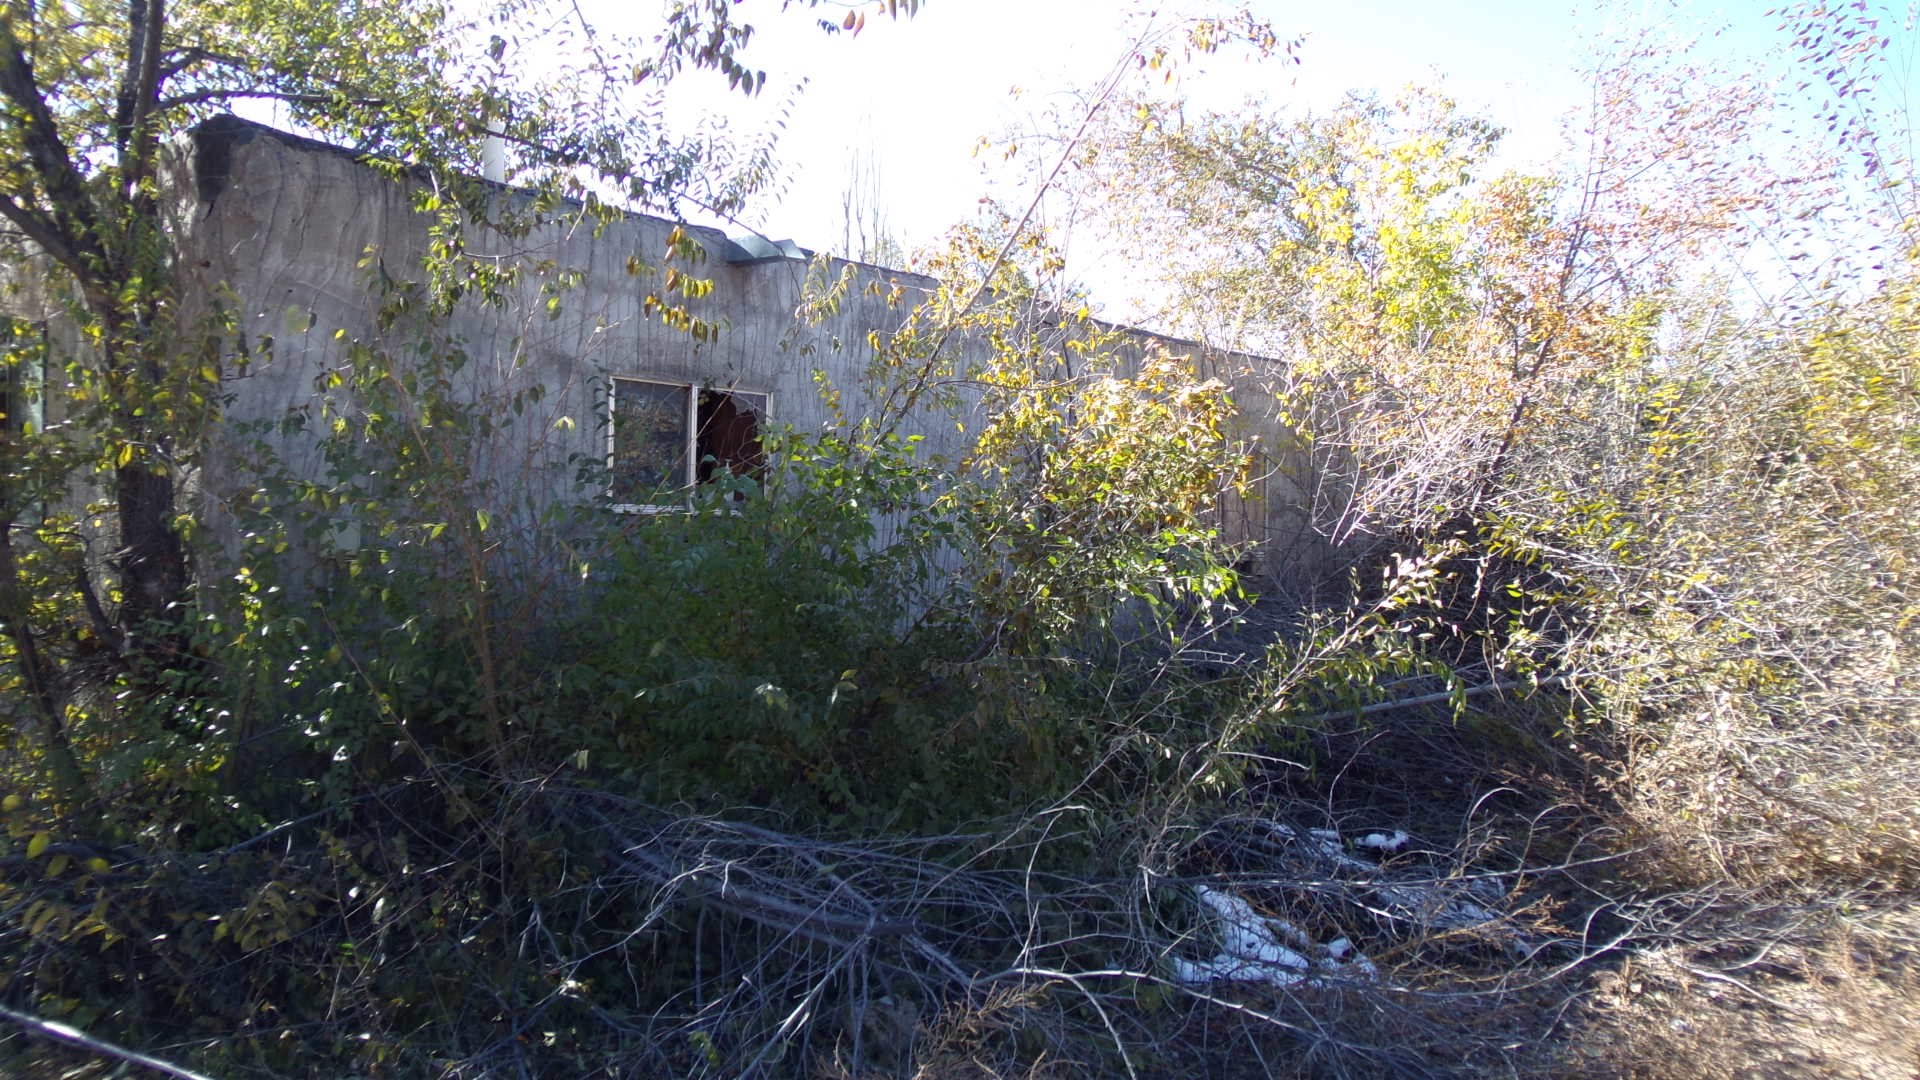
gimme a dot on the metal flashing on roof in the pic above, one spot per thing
(753, 250)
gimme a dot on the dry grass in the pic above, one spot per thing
(1844, 1004)
(1726, 799)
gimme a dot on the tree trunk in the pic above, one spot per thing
(152, 561)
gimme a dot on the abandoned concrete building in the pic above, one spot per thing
(293, 234)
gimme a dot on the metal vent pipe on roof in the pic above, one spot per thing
(493, 159)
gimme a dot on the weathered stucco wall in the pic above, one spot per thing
(298, 235)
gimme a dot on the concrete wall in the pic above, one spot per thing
(286, 226)
(281, 227)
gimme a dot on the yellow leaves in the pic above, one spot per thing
(687, 285)
(682, 245)
(41, 915)
(37, 846)
(677, 317)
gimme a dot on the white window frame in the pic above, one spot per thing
(690, 451)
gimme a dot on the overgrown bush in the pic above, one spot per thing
(347, 801)
(432, 773)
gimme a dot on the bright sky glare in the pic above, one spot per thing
(917, 95)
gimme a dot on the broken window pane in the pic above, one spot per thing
(729, 436)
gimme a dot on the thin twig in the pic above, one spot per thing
(73, 1036)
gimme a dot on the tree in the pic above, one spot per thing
(94, 96)
(1635, 415)
(865, 235)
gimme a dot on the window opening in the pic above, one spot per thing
(729, 435)
(650, 433)
(666, 437)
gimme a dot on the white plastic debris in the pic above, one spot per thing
(1440, 906)
(1342, 957)
(1251, 949)
(1432, 905)
(1388, 842)
(1325, 842)
(1435, 908)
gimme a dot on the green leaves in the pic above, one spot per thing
(1087, 492)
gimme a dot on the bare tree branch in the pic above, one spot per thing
(201, 96)
(75, 1037)
(146, 19)
(75, 220)
(45, 233)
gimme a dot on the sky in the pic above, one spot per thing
(918, 95)
(908, 102)
(912, 98)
